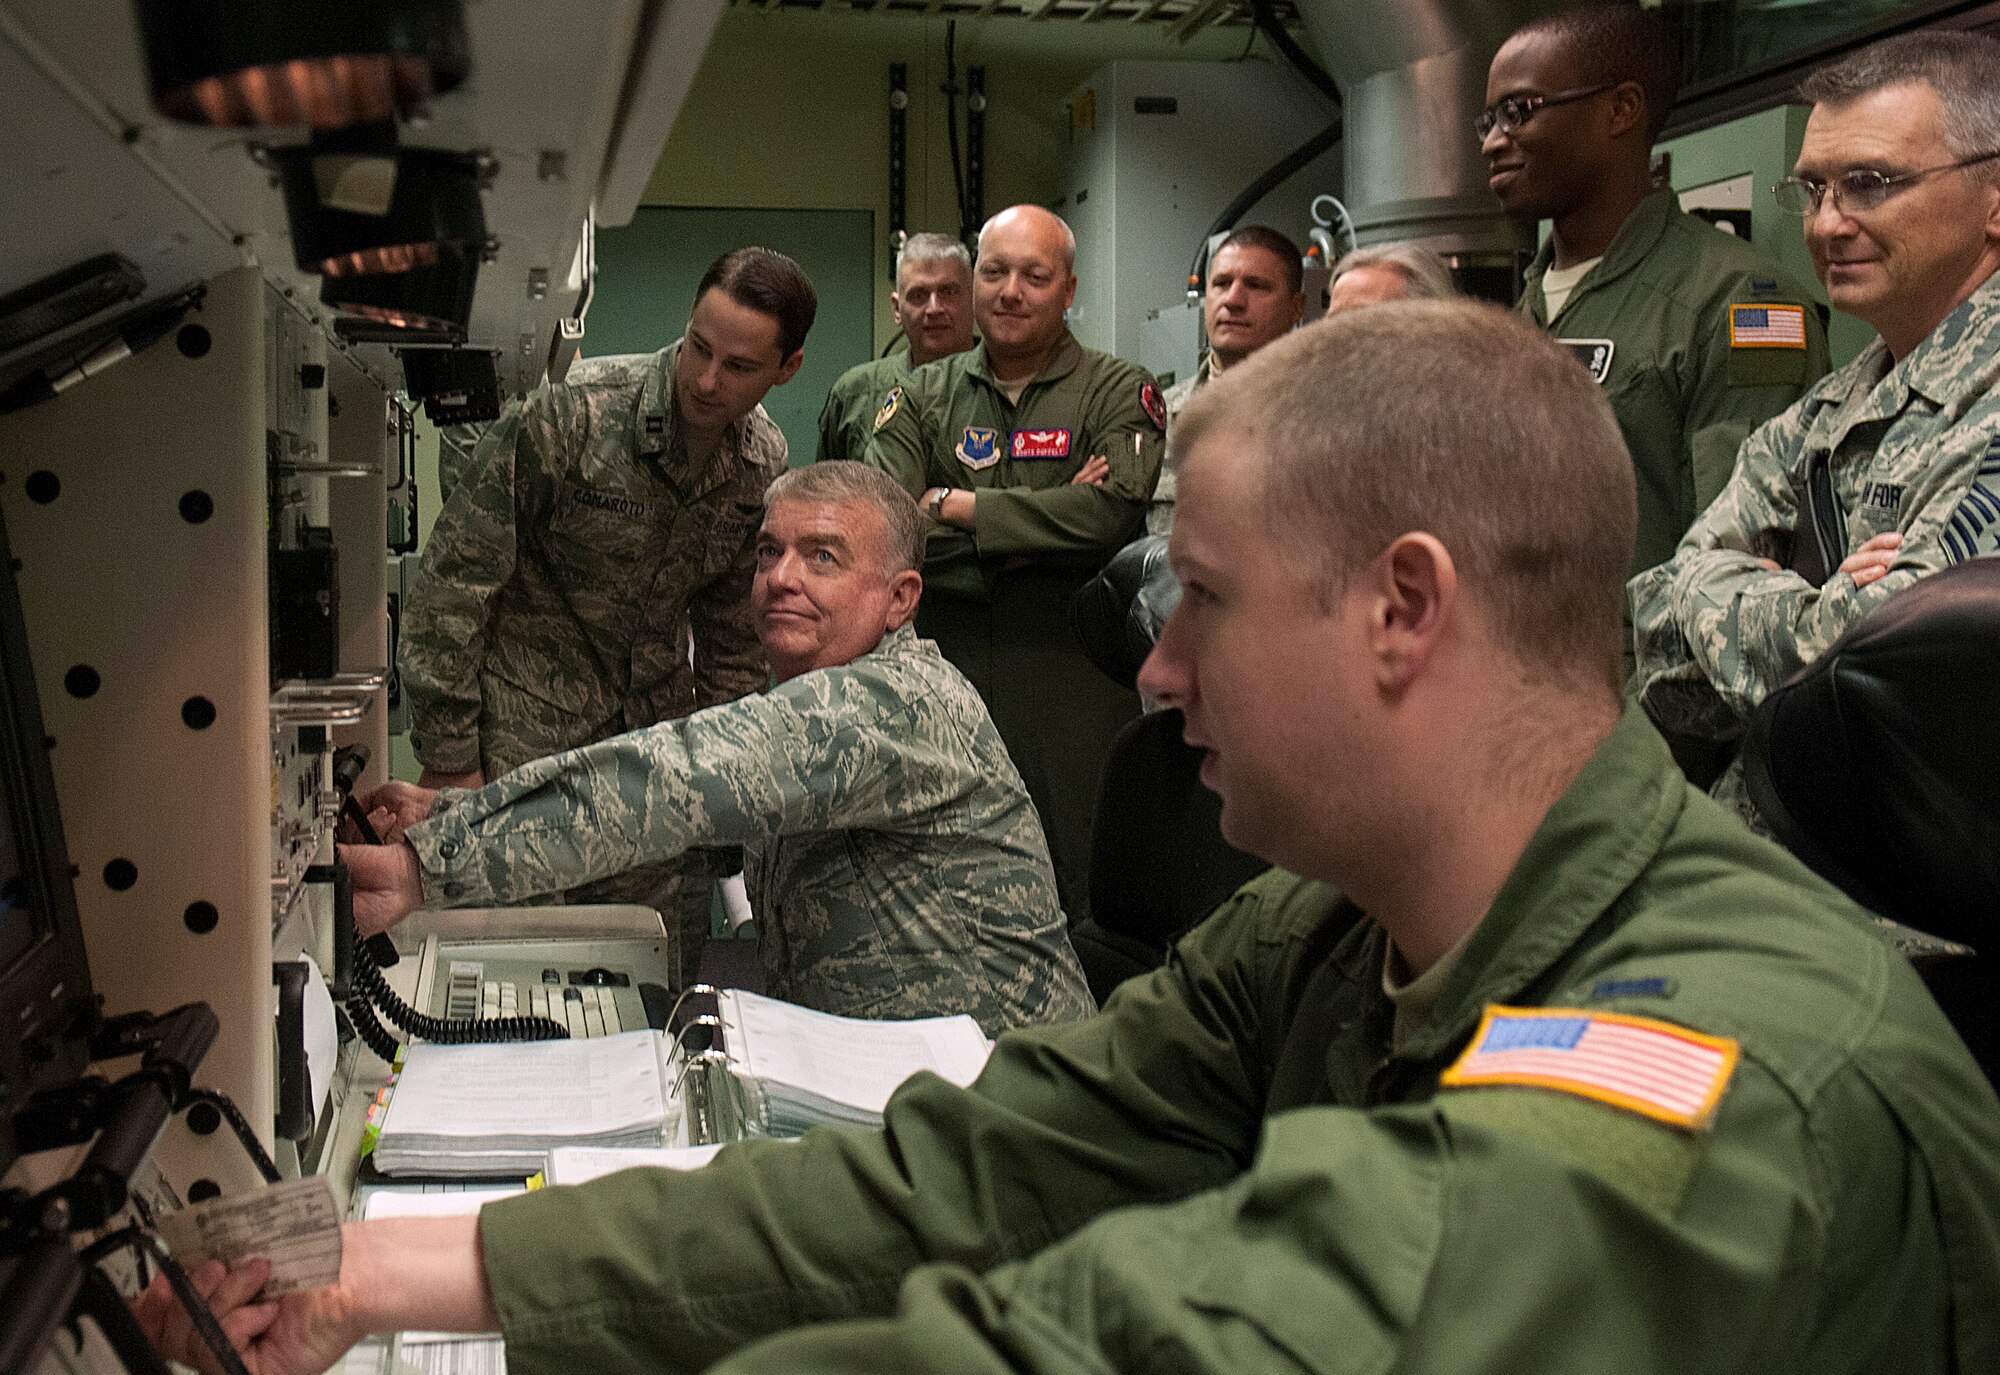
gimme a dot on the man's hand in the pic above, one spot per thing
(300, 1334)
(1095, 469)
(1871, 562)
(431, 778)
(388, 884)
(393, 807)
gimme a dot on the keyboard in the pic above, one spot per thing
(586, 1002)
(595, 987)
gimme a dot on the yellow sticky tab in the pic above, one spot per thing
(1767, 327)
(890, 405)
(1653, 1068)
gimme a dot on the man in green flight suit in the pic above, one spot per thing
(932, 304)
(1696, 337)
(1036, 457)
(1528, 1058)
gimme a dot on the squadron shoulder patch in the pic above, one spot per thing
(979, 447)
(1767, 327)
(891, 403)
(1153, 404)
(1594, 354)
(1653, 1068)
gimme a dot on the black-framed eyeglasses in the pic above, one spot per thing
(1862, 189)
(1510, 114)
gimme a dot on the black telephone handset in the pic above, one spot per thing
(370, 993)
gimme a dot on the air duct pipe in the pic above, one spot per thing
(1413, 77)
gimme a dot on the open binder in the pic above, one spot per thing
(761, 1067)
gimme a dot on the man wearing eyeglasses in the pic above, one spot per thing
(1890, 468)
(1696, 337)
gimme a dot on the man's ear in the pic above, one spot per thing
(1628, 109)
(1415, 590)
(790, 369)
(905, 589)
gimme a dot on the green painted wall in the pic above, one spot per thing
(1764, 145)
(790, 110)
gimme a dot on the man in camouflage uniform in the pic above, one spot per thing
(894, 863)
(1696, 337)
(591, 574)
(1255, 294)
(932, 304)
(1890, 468)
(1035, 456)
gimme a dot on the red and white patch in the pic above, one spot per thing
(1153, 403)
(1041, 444)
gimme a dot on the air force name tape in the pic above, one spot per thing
(890, 405)
(979, 447)
(1041, 444)
(1653, 1068)
(1767, 327)
(1594, 354)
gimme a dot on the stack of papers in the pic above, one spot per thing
(815, 1068)
(581, 1164)
(498, 1110)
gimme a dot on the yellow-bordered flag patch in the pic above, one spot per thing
(1767, 327)
(1653, 1068)
(890, 405)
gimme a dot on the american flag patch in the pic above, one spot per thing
(1653, 1068)
(1767, 327)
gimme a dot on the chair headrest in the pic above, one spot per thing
(1879, 763)
(1117, 615)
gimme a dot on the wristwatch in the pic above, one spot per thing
(938, 494)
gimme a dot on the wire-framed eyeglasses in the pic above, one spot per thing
(1862, 189)
(1510, 114)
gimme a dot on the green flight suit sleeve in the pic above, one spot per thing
(827, 751)
(830, 416)
(657, 1270)
(1735, 390)
(900, 445)
(1425, 1239)
(469, 556)
(1083, 519)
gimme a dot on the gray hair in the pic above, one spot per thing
(1425, 272)
(1410, 416)
(903, 525)
(933, 248)
(1963, 68)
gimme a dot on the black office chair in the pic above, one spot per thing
(1117, 615)
(1879, 766)
(1158, 862)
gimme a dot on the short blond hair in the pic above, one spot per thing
(1458, 419)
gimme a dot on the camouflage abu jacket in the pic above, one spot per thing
(1912, 447)
(894, 862)
(586, 577)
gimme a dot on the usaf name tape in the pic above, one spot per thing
(294, 1225)
(1653, 1068)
